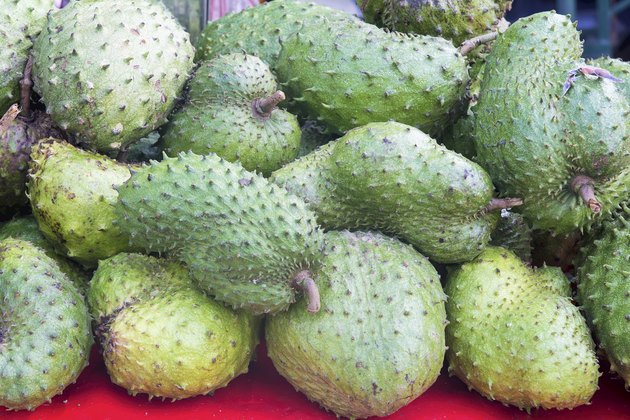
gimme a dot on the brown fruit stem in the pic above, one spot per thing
(8, 118)
(472, 43)
(26, 86)
(304, 282)
(502, 203)
(584, 186)
(263, 107)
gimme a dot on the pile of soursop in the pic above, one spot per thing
(379, 201)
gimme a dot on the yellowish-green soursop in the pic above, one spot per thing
(378, 342)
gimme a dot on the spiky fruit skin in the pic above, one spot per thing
(162, 336)
(603, 293)
(619, 68)
(261, 30)
(25, 228)
(72, 195)
(221, 116)
(115, 86)
(15, 149)
(20, 21)
(534, 141)
(513, 233)
(514, 335)
(125, 279)
(395, 179)
(243, 238)
(45, 334)
(378, 341)
(456, 20)
(352, 73)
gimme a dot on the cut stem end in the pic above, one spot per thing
(472, 43)
(584, 186)
(304, 282)
(263, 107)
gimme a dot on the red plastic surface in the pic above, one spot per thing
(263, 394)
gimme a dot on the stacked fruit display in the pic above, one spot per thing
(305, 186)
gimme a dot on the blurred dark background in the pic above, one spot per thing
(605, 24)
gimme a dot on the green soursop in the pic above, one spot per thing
(457, 20)
(72, 195)
(261, 30)
(162, 336)
(352, 73)
(551, 129)
(20, 22)
(110, 72)
(394, 178)
(16, 142)
(231, 111)
(45, 334)
(25, 228)
(246, 241)
(514, 335)
(378, 342)
(604, 280)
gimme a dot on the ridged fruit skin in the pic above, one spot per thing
(127, 278)
(395, 179)
(603, 280)
(261, 30)
(109, 73)
(456, 20)
(348, 74)
(25, 228)
(15, 149)
(377, 342)
(220, 116)
(45, 333)
(534, 141)
(161, 335)
(243, 238)
(72, 195)
(20, 22)
(513, 233)
(514, 335)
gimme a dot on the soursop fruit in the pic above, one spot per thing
(551, 129)
(394, 178)
(16, 141)
(162, 336)
(231, 111)
(514, 335)
(603, 280)
(45, 334)
(261, 30)
(246, 241)
(378, 342)
(25, 228)
(456, 20)
(348, 74)
(72, 193)
(110, 72)
(20, 22)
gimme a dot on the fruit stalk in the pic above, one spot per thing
(263, 107)
(502, 203)
(472, 43)
(8, 118)
(304, 282)
(26, 86)
(585, 188)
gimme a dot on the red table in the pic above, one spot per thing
(263, 394)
